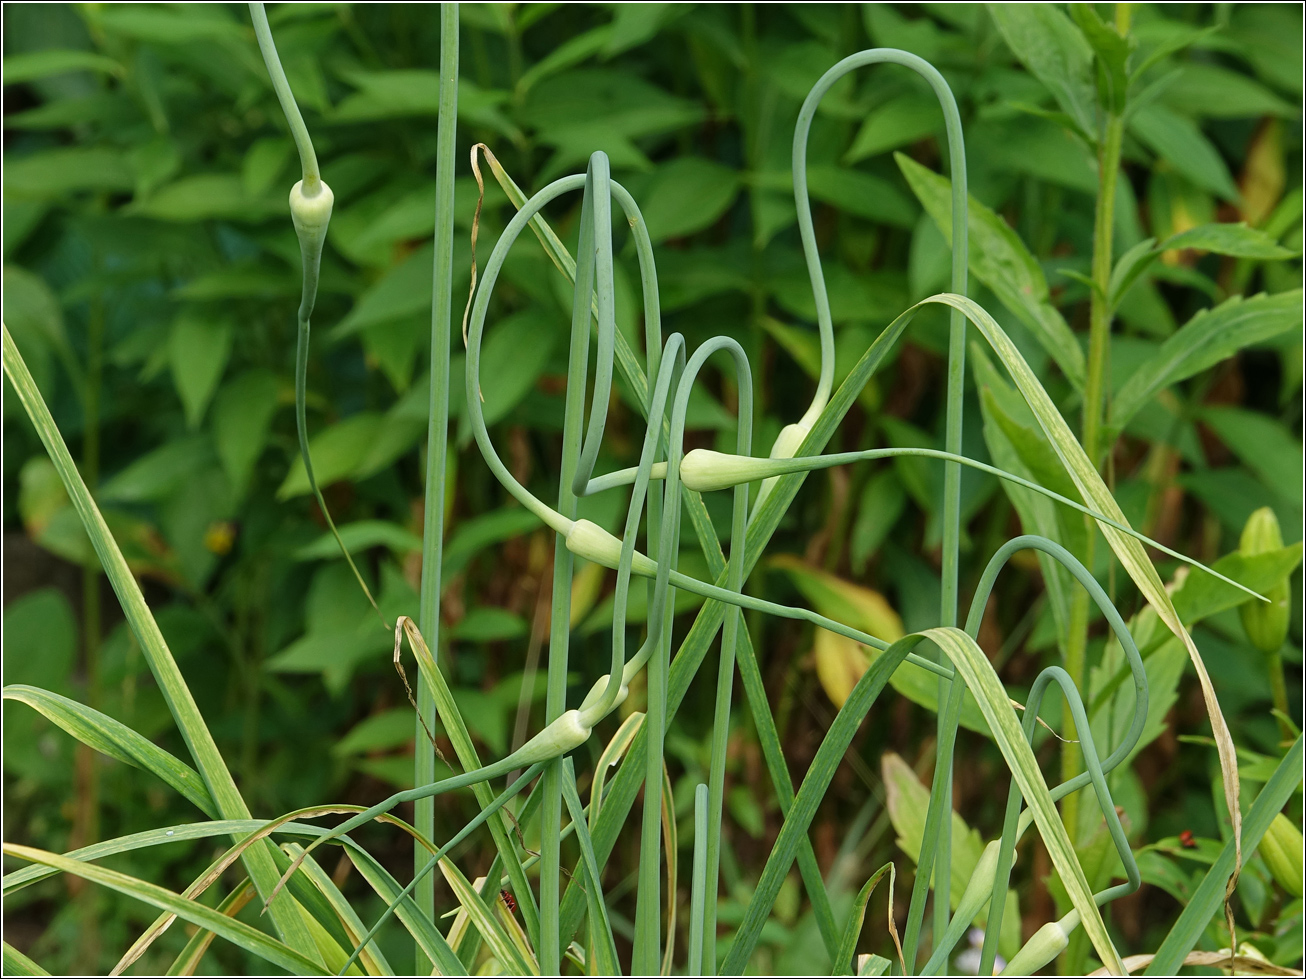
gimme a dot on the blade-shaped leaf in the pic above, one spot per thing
(236, 932)
(181, 703)
(1208, 338)
(1206, 900)
(1000, 260)
(1055, 52)
(117, 740)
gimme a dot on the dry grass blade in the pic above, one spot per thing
(1127, 549)
(1244, 965)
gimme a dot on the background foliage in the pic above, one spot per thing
(151, 276)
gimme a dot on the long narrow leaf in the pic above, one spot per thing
(117, 740)
(18, 964)
(188, 961)
(1206, 900)
(203, 749)
(237, 932)
(1129, 551)
(601, 942)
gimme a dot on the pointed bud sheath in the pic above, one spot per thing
(590, 541)
(1281, 849)
(567, 732)
(1043, 946)
(1266, 623)
(786, 444)
(703, 470)
(311, 211)
(598, 690)
(981, 883)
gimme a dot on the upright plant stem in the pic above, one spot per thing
(1095, 406)
(88, 802)
(437, 441)
(555, 702)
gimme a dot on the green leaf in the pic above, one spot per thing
(360, 536)
(490, 624)
(338, 452)
(115, 739)
(404, 290)
(843, 962)
(205, 196)
(881, 505)
(160, 472)
(1263, 444)
(906, 800)
(198, 349)
(506, 375)
(182, 705)
(237, 932)
(335, 655)
(895, 123)
(1209, 337)
(1112, 52)
(1201, 596)
(862, 194)
(1178, 141)
(52, 173)
(1000, 260)
(1209, 895)
(264, 161)
(164, 26)
(1055, 52)
(687, 195)
(1206, 89)
(389, 729)
(56, 61)
(15, 962)
(242, 419)
(1228, 239)
(472, 536)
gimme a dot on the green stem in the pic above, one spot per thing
(1095, 407)
(437, 443)
(298, 131)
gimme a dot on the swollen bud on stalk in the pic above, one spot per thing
(1266, 623)
(704, 470)
(588, 540)
(1281, 849)
(567, 732)
(1043, 946)
(310, 209)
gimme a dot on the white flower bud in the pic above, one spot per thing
(311, 212)
(599, 689)
(704, 470)
(567, 732)
(1043, 946)
(588, 540)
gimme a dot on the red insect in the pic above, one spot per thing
(1186, 840)
(509, 901)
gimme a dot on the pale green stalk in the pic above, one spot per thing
(310, 209)
(437, 440)
(698, 885)
(1096, 396)
(937, 828)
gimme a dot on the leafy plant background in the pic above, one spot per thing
(150, 280)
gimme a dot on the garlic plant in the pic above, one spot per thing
(319, 932)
